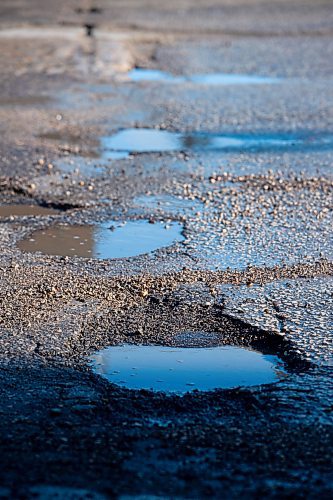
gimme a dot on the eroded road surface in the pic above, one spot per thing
(166, 180)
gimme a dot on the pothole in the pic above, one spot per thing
(183, 369)
(154, 75)
(180, 339)
(136, 140)
(232, 79)
(21, 210)
(106, 240)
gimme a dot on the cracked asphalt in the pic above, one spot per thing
(255, 267)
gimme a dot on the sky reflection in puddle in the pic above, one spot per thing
(143, 140)
(107, 240)
(155, 75)
(180, 370)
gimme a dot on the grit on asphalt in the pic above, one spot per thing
(253, 264)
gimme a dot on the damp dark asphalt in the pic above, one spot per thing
(166, 190)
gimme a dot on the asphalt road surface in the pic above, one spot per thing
(210, 119)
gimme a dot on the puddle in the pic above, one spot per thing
(154, 75)
(135, 140)
(26, 210)
(181, 370)
(107, 240)
(114, 155)
(232, 79)
(142, 141)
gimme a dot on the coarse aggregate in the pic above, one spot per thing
(254, 270)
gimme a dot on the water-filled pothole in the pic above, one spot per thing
(183, 369)
(21, 210)
(106, 240)
(154, 75)
(136, 140)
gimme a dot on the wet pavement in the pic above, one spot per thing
(207, 127)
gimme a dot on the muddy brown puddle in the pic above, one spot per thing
(106, 240)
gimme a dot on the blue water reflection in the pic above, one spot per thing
(107, 240)
(184, 369)
(145, 140)
(154, 140)
(155, 75)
